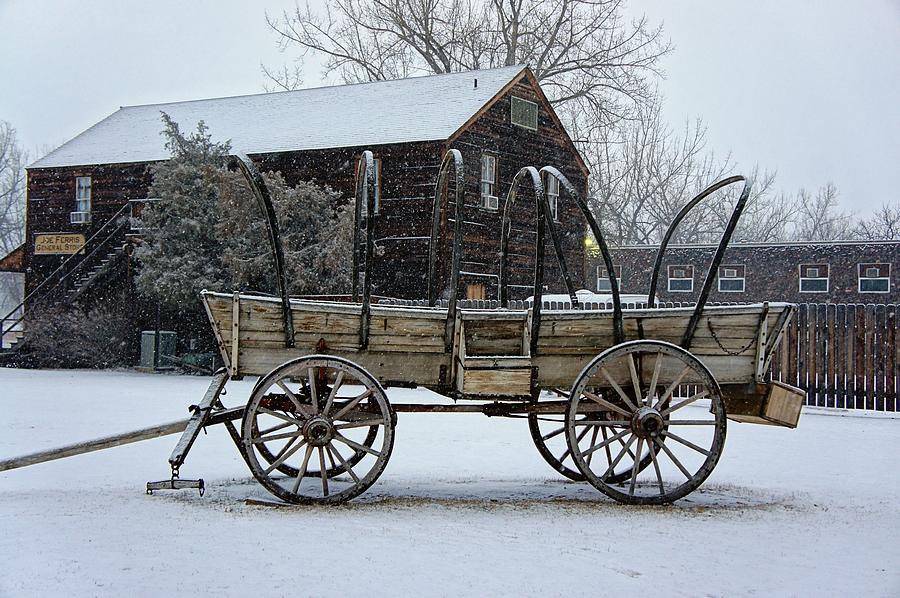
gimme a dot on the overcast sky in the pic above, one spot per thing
(807, 88)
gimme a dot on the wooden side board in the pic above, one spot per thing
(489, 357)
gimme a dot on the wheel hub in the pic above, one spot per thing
(318, 431)
(647, 422)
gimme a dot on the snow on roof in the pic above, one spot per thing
(403, 110)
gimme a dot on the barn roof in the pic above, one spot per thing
(403, 110)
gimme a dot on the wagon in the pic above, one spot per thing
(632, 399)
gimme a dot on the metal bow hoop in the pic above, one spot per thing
(717, 258)
(365, 181)
(618, 318)
(453, 158)
(540, 205)
(264, 200)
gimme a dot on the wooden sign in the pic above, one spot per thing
(58, 243)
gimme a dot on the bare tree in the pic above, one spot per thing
(582, 51)
(12, 211)
(819, 217)
(884, 224)
(12, 189)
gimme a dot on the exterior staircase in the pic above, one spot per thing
(90, 276)
(107, 250)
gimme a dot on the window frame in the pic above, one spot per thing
(553, 198)
(801, 278)
(486, 198)
(602, 276)
(523, 102)
(670, 278)
(738, 269)
(876, 266)
(80, 200)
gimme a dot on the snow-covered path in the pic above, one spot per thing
(466, 506)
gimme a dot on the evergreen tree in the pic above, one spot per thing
(207, 231)
(181, 253)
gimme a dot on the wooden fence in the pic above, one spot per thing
(844, 356)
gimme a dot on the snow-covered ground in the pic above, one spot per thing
(465, 507)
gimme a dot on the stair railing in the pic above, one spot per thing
(60, 275)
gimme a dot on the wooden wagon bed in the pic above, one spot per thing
(490, 352)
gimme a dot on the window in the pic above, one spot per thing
(681, 279)
(376, 166)
(874, 278)
(603, 284)
(814, 278)
(731, 279)
(489, 182)
(82, 213)
(553, 196)
(524, 113)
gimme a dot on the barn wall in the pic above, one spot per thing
(403, 224)
(515, 148)
(51, 198)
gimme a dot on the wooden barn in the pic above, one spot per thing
(78, 245)
(499, 119)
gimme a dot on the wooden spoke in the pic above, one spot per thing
(352, 444)
(618, 423)
(605, 403)
(275, 428)
(606, 442)
(353, 403)
(302, 471)
(333, 450)
(554, 433)
(323, 471)
(686, 443)
(654, 379)
(635, 379)
(312, 388)
(284, 455)
(618, 458)
(594, 441)
(684, 403)
(662, 487)
(290, 394)
(665, 396)
(568, 450)
(619, 391)
(674, 459)
(606, 448)
(334, 389)
(359, 424)
(634, 468)
(295, 434)
(282, 416)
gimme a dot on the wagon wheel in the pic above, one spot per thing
(303, 395)
(311, 439)
(548, 432)
(681, 431)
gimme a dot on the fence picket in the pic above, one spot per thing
(831, 348)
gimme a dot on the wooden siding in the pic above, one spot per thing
(51, 198)
(515, 148)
